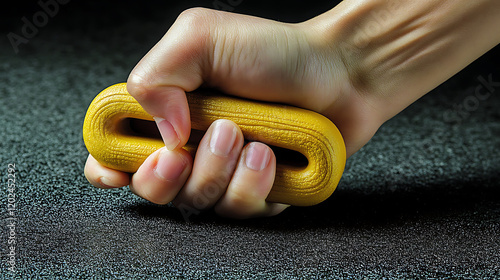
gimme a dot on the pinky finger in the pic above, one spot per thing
(103, 177)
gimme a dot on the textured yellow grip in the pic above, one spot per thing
(309, 148)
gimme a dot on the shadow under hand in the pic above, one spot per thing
(407, 202)
(360, 208)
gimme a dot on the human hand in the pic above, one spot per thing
(234, 179)
(359, 64)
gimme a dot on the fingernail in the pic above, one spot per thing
(257, 156)
(105, 183)
(223, 137)
(170, 165)
(167, 131)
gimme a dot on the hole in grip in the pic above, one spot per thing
(309, 148)
(148, 129)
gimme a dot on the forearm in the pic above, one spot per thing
(399, 50)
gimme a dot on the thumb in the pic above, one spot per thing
(163, 76)
(241, 55)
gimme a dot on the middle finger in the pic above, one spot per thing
(213, 167)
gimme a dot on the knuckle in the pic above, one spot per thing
(138, 86)
(196, 25)
(239, 204)
(196, 16)
(212, 187)
(204, 193)
(193, 27)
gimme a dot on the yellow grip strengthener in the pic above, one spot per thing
(309, 148)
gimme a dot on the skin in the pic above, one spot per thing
(358, 64)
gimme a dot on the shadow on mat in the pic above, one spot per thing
(349, 208)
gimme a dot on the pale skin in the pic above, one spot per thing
(358, 64)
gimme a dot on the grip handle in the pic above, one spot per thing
(309, 148)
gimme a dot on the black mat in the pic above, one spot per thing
(421, 200)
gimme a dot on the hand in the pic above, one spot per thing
(234, 179)
(359, 64)
(241, 55)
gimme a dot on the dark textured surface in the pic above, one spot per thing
(421, 200)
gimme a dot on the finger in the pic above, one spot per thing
(103, 177)
(162, 175)
(251, 183)
(160, 80)
(215, 161)
(201, 47)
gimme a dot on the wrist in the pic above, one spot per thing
(396, 51)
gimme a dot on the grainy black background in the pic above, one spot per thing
(421, 200)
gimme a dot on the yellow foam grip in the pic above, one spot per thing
(309, 148)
